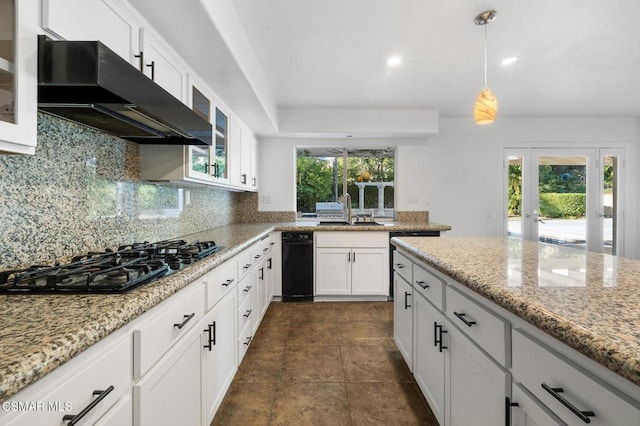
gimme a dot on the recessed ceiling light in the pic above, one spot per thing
(394, 61)
(509, 60)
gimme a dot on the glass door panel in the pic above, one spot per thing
(514, 195)
(221, 151)
(561, 214)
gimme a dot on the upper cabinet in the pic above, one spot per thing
(221, 149)
(160, 65)
(116, 28)
(18, 76)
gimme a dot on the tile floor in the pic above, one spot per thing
(324, 364)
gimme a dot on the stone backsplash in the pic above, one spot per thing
(81, 191)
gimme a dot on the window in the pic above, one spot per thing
(369, 179)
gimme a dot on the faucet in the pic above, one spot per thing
(346, 196)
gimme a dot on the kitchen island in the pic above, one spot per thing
(580, 307)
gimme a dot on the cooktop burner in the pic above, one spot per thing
(110, 271)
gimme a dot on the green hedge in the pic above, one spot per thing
(562, 205)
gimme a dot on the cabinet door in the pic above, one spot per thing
(370, 271)
(429, 353)
(198, 162)
(403, 318)
(235, 154)
(529, 411)
(170, 393)
(18, 95)
(220, 149)
(254, 163)
(162, 66)
(219, 359)
(120, 414)
(245, 157)
(333, 271)
(93, 20)
(477, 386)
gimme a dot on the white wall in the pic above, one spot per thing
(457, 174)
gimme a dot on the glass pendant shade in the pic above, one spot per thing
(486, 107)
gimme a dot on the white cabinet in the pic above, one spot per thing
(243, 156)
(403, 318)
(219, 353)
(527, 410)
(170, 393)
(99, 20)
(345, 265)
(120, 415)
(477, 386)
(18, 76)
(162, 66)
(429, 354)
(565, 389)
(96, 380)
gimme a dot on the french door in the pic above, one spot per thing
(569, 196)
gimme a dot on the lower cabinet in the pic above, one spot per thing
(219, 353)
(430, 354)
(477, 386)
(170, 393)
(527, 410)
(403, 318)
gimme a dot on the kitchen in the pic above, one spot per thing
(90, 182)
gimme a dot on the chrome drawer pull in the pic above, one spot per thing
(555, 392)
(187, 318)
(422, 284)
(228, 282)
(75, 418)
(461, 317)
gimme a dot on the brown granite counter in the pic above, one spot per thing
(589, 301)
(40, 332)
(308, 226)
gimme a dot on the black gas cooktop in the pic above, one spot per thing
(111, 271)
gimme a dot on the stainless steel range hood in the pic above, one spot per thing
(86, 82)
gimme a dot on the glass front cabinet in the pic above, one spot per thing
(209, 163)
(18, 88)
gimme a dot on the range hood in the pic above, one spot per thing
(86, 82)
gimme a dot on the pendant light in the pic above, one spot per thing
(484, 111)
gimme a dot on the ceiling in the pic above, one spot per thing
(575, 57)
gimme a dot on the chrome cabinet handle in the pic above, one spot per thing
(555, 392)
(73, 419)
(461, 317)
(187, 318)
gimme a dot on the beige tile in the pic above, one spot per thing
(312, 333)
(246, 404)
(261, 365)
(364, 333)
(279, 310)
(272, 333)
(313, 364)
(311, 404)
(385, 309)
(387, 404)
(374, 364)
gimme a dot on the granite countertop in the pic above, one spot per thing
(75, 322)
(589, 301)
(72, 323)
(384, 226)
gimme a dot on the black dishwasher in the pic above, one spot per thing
(297, 266)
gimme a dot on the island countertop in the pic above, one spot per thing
(589, 301)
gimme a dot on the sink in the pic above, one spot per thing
(345, 223)
(366, 224)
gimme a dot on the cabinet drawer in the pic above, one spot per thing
(111, 368)
(245, 262)
(483, 327)
(402, 265)
(164, 326)
(534, 365)
(245, 289)
(351, 239)
(244, 340)
(220, 281)
(245, 313)
(429, 285)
